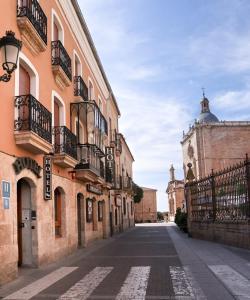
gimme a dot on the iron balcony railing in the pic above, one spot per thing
(89, 157)
(127, 183)
(61, 58)
(91, 114)
(115, 139)
(33, 116)
(65, 141)
(33, 11)
(80, 88)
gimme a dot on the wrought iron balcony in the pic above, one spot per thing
(60, 58)
(65, 142)
(32, 117)
(89, 114)
(115, 141)
(90, 158)
(80, 88)
(127, 183)
(33, 11)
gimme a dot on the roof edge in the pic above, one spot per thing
(93, 48)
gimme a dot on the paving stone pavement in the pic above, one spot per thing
(152, 261)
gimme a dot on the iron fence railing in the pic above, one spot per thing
(61, 58)
(65, 141)
(222, 196)
(33, 11)
(33, 116)
(80, 88)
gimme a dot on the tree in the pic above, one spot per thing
(160, 216)
(138, 193)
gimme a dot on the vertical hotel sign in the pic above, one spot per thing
(47, 177)
(110, 163)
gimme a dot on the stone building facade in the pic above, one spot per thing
(61, 151)
(175, 192)
(146, 209)
(206, 144)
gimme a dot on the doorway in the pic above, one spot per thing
(80, 220)
(24, 223)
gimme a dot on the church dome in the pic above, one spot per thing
(206, 116)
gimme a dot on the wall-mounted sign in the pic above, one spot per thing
(89, 210)
(93, 189)
(6, 194)
(6, 203)
(5, 189)
(47, 177)
(110, 164)
(22, 163)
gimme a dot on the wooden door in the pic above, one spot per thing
(24, 89)
(58, 213)
(79, 220)
(19, 224)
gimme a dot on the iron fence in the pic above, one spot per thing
(223, 196)
(65, 141)
(33, 116)
(61, 58)
(33, 11)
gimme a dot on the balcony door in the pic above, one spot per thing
(57, 123)
(24, 81)
(24, 89)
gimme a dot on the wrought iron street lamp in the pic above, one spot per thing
(9, 47)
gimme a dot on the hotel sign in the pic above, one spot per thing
(22, 163)
(93, 189)
(47, 177)
(110, 163)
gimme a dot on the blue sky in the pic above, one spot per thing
(158, 54)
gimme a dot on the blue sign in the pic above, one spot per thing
(5, 189)
(6, 203)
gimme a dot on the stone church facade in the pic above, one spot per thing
(213, 144)
(175, 193)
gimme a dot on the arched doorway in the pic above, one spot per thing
(80, 220)
(25, 227)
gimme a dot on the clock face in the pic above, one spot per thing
(190, 151)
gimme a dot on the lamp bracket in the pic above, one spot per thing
(5, 77)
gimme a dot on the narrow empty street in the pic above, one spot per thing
(152, 261)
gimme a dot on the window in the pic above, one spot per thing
(89, 210)
(79, 131)
(77, 65)
(58, 212)
(57, 28)
(100, 210)
(100, 104)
